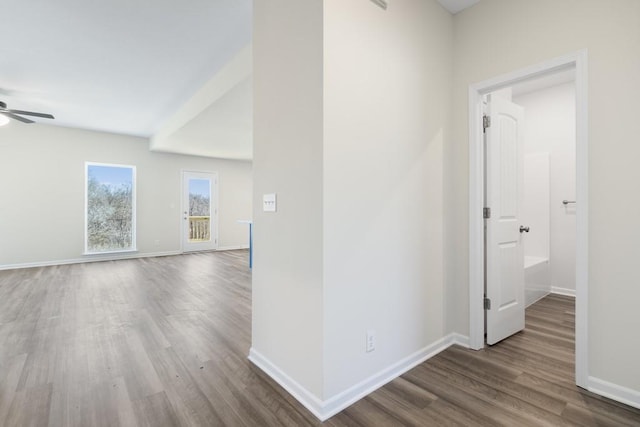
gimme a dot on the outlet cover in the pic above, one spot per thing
(371, 340)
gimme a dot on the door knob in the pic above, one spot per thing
(523, 228)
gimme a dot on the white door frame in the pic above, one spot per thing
(214, 207)
(476, 193)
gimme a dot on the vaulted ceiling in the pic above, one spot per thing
(120, 66)
(130, 67)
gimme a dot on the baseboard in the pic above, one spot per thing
(106, 257)
(323, 410)
(615, 392)
(458, 339)
(563, 291)
(232, 248)
(301, 394)
(89, 258)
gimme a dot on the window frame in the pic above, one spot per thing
(134, 227)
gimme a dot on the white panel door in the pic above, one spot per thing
(199, 211)
(504, 238)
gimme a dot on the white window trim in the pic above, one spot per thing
(134, 226)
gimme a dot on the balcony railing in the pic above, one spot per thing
(199, 228)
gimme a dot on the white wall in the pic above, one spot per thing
(535, 208)
(42, 171)
(386, 109)
(351, 114)
(550, 127)
(287, 148)
(498, 36)
(535, 215)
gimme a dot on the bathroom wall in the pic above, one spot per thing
(550, 128)
(537, 274)
(536, 203)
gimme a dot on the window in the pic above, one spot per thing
(110, 208)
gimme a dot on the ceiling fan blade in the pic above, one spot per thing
(13, 116)
(31, 113)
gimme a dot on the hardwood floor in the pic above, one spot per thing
(164, 342)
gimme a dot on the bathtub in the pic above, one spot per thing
(537, 279)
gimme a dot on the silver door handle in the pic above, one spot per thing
(523, 228)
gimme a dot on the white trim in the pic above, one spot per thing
(613, 391)
(214, 203)
(476, 223)
(582, 219)
(459, 339)
(323, 410)
(301, 394)
(134, 184)
(91, 258)
(124, 251)
(232, 248)
(563, 291)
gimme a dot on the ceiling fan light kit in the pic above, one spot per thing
(6, 114)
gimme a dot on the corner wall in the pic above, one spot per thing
(287, 335)
(351, 116)
(42, 170)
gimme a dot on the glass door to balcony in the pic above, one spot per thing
(199, 211)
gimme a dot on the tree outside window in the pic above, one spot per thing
(110, 208)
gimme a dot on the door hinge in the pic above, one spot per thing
(487, 304)
(486, 122)
(486, 213)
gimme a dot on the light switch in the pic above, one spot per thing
(269, 202)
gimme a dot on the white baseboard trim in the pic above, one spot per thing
(232, 248)
(458, 339)
(88, 258)
(615, 392)
(106, 257)
(324, 410)
(301, 394)
(563, 291)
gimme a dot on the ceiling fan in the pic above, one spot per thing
(16, 114)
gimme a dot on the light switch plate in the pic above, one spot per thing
(269, 202)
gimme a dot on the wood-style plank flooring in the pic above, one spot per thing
(164, 342)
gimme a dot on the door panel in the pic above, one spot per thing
(199, 211)
(504, 245)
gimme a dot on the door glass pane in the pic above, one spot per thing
(199, 210)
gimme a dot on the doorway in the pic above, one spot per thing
(199, 211)
(578, 61)
(530, 189)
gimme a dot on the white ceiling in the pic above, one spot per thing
(455, 6)
(120, 66)
(131, 67)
